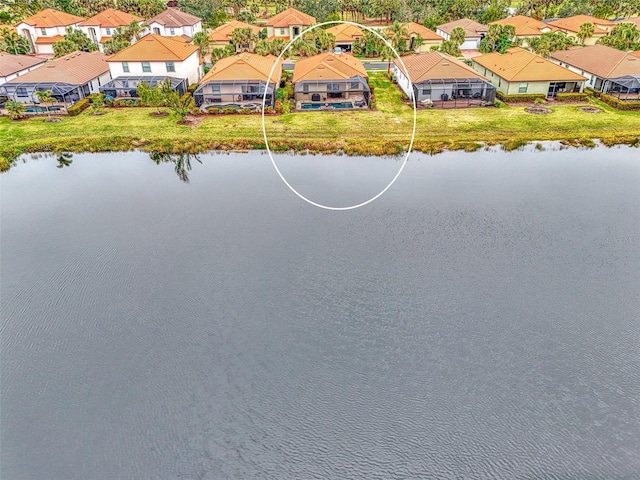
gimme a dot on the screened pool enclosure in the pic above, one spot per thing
(354, 91)
(25, 92)
(127, 86)
(234, 94)
(454, 92)
(623, 88)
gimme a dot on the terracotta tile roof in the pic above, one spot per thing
(635, 20)
(172, 17)
(10, 64)
(245, 66)
(273, 37)
(111, 18)
(518, 64)
(434, 66)
(48, 40)
(155, 48)
(223, 32)
(106, 39)
(472, 29)
(526, 26)
(572, 24)
(76, 68)
(345, 32)
(636, 53)
(51, 18)
(600, 60)
(328, 66)
(290, 16)
(426, 33)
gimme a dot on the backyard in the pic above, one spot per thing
(386, 130)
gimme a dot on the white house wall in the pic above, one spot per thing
(403, 81)
(8, 78)
(188, 30)
(34, 33)
(189, 68)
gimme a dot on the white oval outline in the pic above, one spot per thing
(413, 134)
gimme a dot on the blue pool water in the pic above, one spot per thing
(317, 106)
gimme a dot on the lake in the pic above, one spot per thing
(183, 318)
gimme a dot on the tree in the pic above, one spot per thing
(181, 161)
(303, 48)
(550, 42)
(218, 53)
(14, 109)
(586, 31)
(134, 30)
(13, 43)
(246, 17)
(457, 36)
(499, 38)
(179, 105)
(152, 96)
(114, 46)
(322, 39)
(75, 40)
(263, 48)
(416, 43)
(243, 38)
(387, 55)
(64, 47)
(449, 47)
(202, 41)
(624, 36)
(235, 5)
(44, 96)
(207, 10)
(320, 9)
(398, 33)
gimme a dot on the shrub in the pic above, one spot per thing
(229, 110)
(592, 92)
(268, 109)
(185, 96)
(287, 91)
(520, 97)
(540, 100)
(620, 104)
(572, 97)
(245, 110)
(279, 107)
(192, 88)
(78, 107)
(15, 110)
(213, 110)
(125, 102)
(373, 102)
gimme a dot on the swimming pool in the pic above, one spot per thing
(318, 106)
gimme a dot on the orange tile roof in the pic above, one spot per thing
(600, 60)
(76, 68)
(426, 33)
(526, 26)
(172, 17)
(10, 64)
(472, 29)
(345, 32)
(51, 18)
(155, 48)
(328, 66)
(49, 40)
(273, 37)
(223, 32)
(635, 20)
(521, 65)
(290, 16)
(111, 18)
(434, 66)
(636, 53)
(245, 66)
(572, 24)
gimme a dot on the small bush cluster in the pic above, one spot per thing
(592, 92)
(124, 102)
(372, 102)
(520, 97)
(572, 97)
(79, 107)
(192, 88)
(620, 104)
(279, 107)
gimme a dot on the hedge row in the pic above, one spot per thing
(520, 97)
(571, 97)
(620, 104)
(192, 88)
(185, 96)
(78, 107)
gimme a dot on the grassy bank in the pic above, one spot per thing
(385, 131)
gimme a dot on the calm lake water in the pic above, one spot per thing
(478, 321)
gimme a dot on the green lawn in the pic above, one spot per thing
(384, 131)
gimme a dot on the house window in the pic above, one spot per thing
(592, 78)
(172, 31)
(355, 85)
(523, 88)
(171, 67)
(43, 32)
(305, 88)
(108, 31)
(125, 67)
(156, 30)
(146, 67)
(215, 88)
(333, 87)
(21, 92)
(282, 31)
(426, 90)
(499, 81)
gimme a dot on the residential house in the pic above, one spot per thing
(346, 34)
(330, 81)
(473, 32)
(13, 66)
(288, 24)
(46, 28)
(240, 82)
(519, 71)
(221, 36)
(101, 27)
(69, 78)
(175, 23)
(606, 68)
(571, 26)
(526, 27)
(437, 79)
(429, 37)
(153, 59)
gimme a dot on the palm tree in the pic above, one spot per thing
(11, 42)
(262, 48)
(398, 31)
(416, 43)
(303, 48)
(457, 35)
(387, 54)
(586, 31)
(135, 30)
(45, 97)
(243, 38)
(14, 109)
(202, 41)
